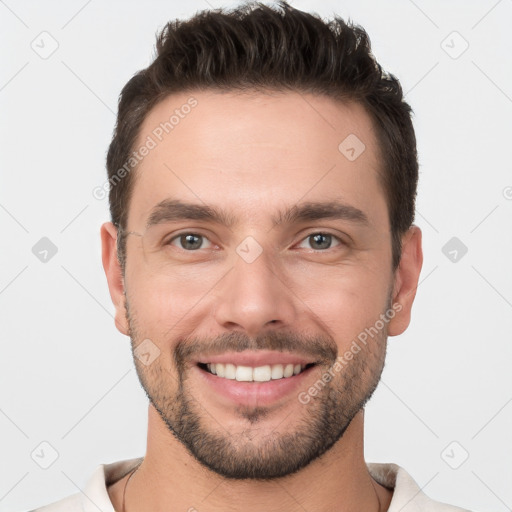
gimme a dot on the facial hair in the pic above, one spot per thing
(249, 455)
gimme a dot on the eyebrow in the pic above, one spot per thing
(172, 210)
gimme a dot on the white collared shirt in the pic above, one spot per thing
(407, 496)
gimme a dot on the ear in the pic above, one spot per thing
(114, 275)
(406, 280)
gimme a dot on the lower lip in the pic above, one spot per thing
(255, 393)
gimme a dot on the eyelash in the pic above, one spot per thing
(325, 233)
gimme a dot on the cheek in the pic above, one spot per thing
(162, 306)
(343, 299)
(347, 301)
(162, 298)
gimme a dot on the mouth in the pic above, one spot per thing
(262, 373)
(253, 378)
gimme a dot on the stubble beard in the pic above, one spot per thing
(249, 454)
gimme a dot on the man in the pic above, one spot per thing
(263, 176)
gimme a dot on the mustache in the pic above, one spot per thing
(321, 349)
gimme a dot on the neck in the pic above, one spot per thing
(171, 479)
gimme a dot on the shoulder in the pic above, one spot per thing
(407, 495)
(94, 496)
(69, 504)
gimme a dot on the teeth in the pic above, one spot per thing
(277, 371)
(229, 371)
(288, 370)
(262, 373)
(258, 374)
(243, 373)
(220, 369)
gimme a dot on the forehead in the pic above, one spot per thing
(251, 152)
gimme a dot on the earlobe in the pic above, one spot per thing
(406, 280)
(114, 274)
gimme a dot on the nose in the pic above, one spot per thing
(255, 296)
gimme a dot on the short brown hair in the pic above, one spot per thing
(257, 47)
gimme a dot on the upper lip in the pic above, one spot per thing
(255, 358)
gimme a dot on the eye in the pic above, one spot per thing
(193, 241)
(189, 241)
(321, 241)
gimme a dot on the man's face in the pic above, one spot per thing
(271, 288)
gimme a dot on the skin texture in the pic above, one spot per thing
(254, 155)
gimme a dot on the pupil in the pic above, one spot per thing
(189, 241)
(326, 238)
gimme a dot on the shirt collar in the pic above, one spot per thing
(407, 496)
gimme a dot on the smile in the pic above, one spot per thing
(263, 373)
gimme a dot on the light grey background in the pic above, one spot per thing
(67, 377)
